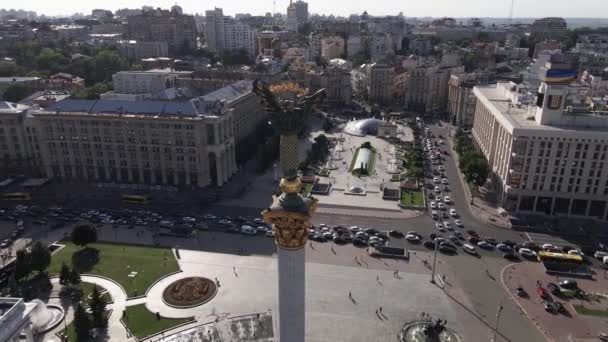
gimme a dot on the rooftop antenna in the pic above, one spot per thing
(511, 12)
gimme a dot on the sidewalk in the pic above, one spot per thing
(482, 210)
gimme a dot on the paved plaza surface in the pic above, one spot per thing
(569, 326)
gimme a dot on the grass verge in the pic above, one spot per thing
(412, 198)
(583, 310)
(142, 322)
(118, 262)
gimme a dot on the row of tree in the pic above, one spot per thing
(472, 163)
(414, 159)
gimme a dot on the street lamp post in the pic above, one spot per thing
(434, 262)
(500, 307)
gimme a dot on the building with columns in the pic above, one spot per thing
(15, 320)
(184, 144)
(547, 151)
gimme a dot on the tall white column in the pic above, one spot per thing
(291, 295)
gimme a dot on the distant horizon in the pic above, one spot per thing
(497, 9)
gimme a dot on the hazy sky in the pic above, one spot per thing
(410, 8)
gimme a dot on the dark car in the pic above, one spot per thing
(433, 236)
(491, 241)
(569, 284)
(396, 234)
(510, 256)
(429, 244)
(531, 245)
(381, 235)
(554, 289)
(371, 231)
(559, 307)
(472, 233)
(447, 249)
(473, 239)
(509, 243)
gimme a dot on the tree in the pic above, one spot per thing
(236, 57)
(83, 235)
(75, 277)
(40, 257)
(64, 274)
(93, 92)
(8, 69)
(327, 125)
(22, 265)
(476, 171)
(82, 324)
(51, 60)
(105, 64)
(17, 92)
(98, 308)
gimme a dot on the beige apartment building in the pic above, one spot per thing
(151, 142)
(547, 152)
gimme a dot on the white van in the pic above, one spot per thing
(605, 260)
(166, 224)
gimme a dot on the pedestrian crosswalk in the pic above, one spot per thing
(541, 238)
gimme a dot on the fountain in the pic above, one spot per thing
(428, 330)
(45, 317)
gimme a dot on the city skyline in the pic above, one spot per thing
(432, 8)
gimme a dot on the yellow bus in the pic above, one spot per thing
(16, 196)
(544, 256)
(136, 199)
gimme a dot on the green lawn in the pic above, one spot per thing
(307, 187)
(87, 288)
(142, 322)
(583, 310)
(408, 200)
(117, 261)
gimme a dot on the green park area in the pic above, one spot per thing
(583, 310)
(143, 323)
(412, 198)
(135, 268)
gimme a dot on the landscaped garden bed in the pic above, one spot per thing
(142, 323)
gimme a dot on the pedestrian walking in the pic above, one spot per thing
(377, 278)
(350, 295)
(380, 310)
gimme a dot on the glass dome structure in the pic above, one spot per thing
(363, 127)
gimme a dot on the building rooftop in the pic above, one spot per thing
(18, 79)
(517, 111)
(227, 93)
(10, 107)
(154, 108)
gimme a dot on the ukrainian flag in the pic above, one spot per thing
(560, 76)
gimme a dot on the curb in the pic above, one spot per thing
(156, 281)
(465, 187)
(506, 288)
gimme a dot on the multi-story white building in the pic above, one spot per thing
(427, 87)
(136, 50)
(335, 79)
(226, 34)
(461, 100)
(15, 323)
(186, 144)
(149, 82)
(239, 99)
(332, 47)
(380, 83)
(297, 14)
(547, 152)
(548, 28)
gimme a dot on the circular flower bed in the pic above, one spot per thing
(189, 292)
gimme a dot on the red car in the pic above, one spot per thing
(542, 292)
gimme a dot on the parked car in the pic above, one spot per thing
(504, 248)
(396, 234)
(453, 212)
(472, 233)
(485, 245)
(554, 289)
(469, 249)
(458, 223)
(527, 253)
(569, 284)
(248, 230)
(549, 307)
